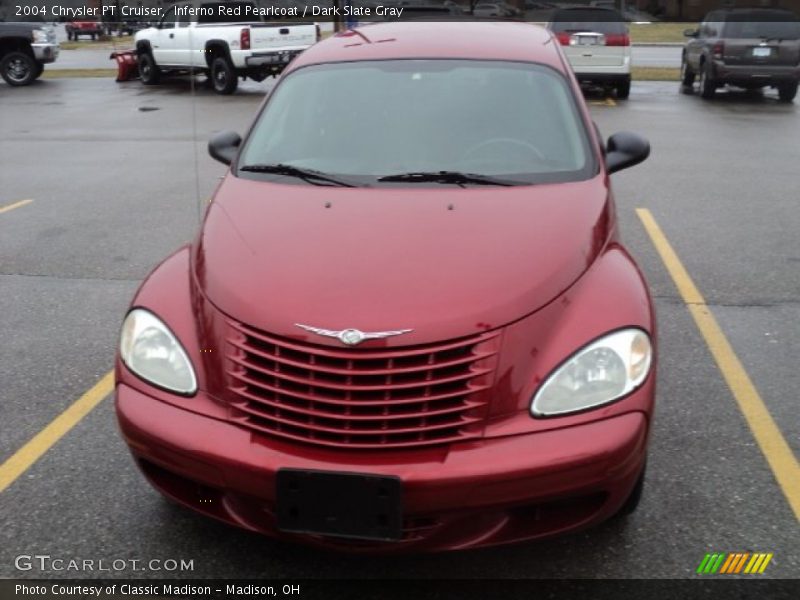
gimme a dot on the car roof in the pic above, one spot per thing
(487, 40)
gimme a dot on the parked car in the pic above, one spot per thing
(404, 324)
(25, 48)
(244, 47)
(748, 48)
(597, 44)
(92, 29)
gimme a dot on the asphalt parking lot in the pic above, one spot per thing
(117, 175)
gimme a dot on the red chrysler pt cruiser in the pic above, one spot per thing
(408, 321)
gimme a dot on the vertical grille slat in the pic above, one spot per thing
(360, 397)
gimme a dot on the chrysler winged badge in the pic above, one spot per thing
(352, 337)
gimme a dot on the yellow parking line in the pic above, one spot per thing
(15, 205)
(773, 445)
(26, 456)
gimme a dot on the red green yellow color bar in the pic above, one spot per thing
(731, 563)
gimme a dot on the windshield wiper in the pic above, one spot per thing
(455, 177)
(309, 175)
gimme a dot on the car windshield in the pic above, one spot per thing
(373, 119)
(781, 30)
(598, 20)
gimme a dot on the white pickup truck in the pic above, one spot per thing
(225, 40)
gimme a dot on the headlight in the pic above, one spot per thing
(599, 373)
(149, 349)
(39, 36)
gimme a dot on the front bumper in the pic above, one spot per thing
(478, 493)
(45, 53)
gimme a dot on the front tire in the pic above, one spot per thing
(223, 76)
(632, 503)
(149, 72)
(18, 68)
(708, 87)
(787, 92)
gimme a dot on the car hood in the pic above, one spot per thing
(443, 261)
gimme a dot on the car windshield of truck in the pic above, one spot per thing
(405, 122)
(226, 12)
(775, 30)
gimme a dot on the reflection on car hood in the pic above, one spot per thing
(444, 261)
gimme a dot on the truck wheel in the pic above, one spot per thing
(18, 68)
(223, 76)
(149, 72)
(708, 87)
(787, 91)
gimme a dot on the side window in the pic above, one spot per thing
(184, 19)
(169, 19)
(708, 25)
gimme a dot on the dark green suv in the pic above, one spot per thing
(748, 48)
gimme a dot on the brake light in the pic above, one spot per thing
(563, 38)
(244, 39)
(718, 50)
(618, 40)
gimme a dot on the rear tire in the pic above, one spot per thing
(687, 77)
(787, 92)
(708, 87)
(223, 76)
(18, 68)
(623, 88)
(149, 72)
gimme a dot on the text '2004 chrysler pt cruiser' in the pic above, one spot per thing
(407, 321)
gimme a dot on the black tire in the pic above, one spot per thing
(18, 68)
(149, 72)
(623, 88)
(708, 87)
(632, 503)
(39, 70)
(687, 76)
(223, 76)
(787, 92)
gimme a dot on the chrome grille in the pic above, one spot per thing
(360, 397)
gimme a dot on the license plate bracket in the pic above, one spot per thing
(762, 51)
(341, 504)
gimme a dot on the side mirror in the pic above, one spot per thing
(692, 33)
(625, 149)
(224, 146)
